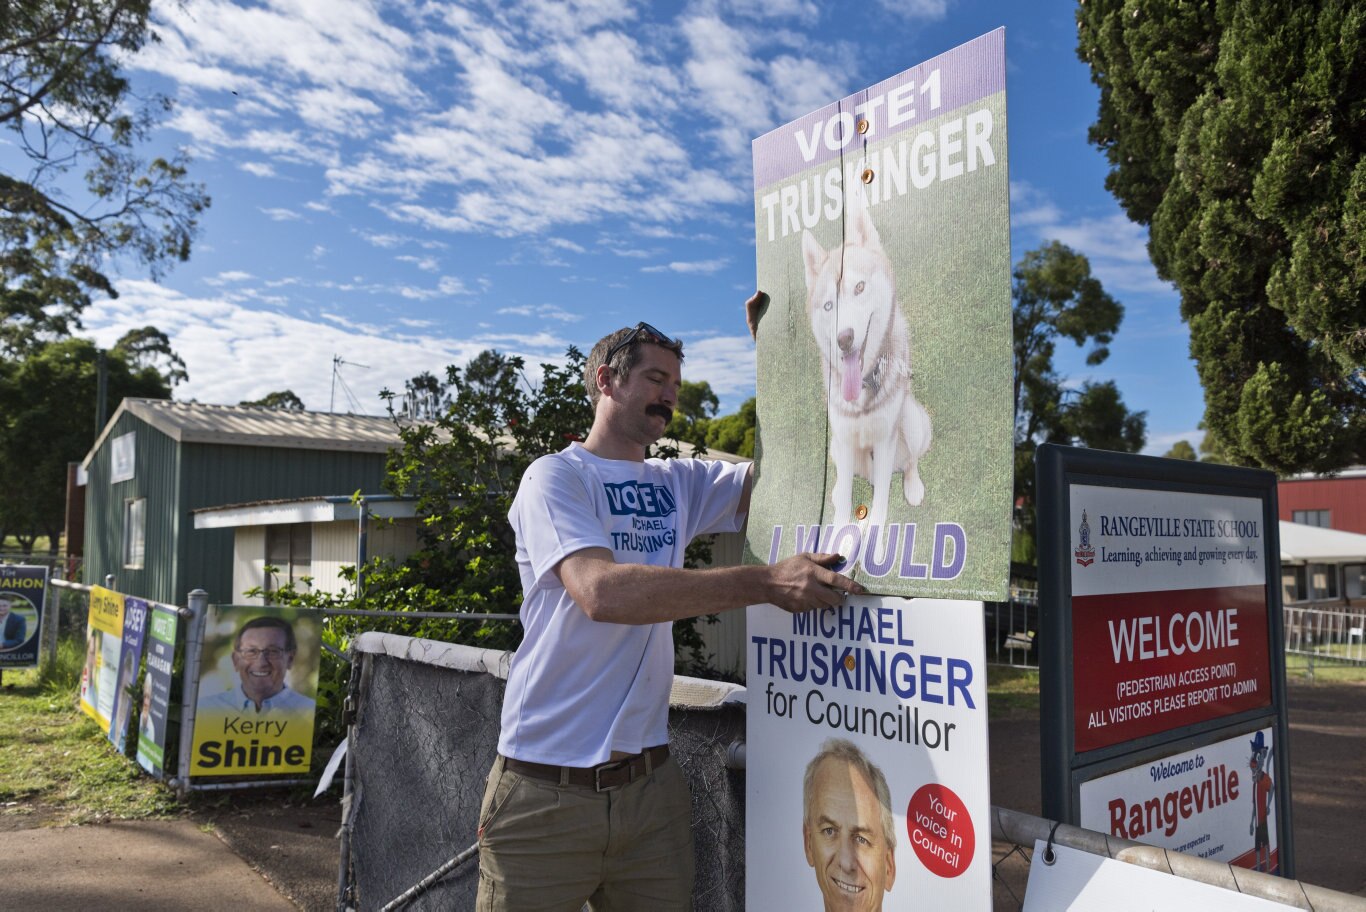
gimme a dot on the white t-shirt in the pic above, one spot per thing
(580, 689)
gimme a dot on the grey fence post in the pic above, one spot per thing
(52, 616)
(189, 691)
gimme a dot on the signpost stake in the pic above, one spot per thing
(194, 644)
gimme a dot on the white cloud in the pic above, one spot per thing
(1159, 444)
(258, 169)
(280, 214)
(267, 350)
(614, 68)
(917, 9)
(232, 275)
(725, 362)
(698, 267)
(426, 264)
(451, 285)
(544, 311)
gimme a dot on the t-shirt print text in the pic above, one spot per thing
(647, 505)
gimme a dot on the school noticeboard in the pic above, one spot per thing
(885, 410)
(22, 596)
(1161, 647)
(867, 751)
(258, 680)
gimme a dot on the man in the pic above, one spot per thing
(847, 827)
(15, 627)
(584, 803)
(262, 655)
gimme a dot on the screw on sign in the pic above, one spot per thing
(941, 830)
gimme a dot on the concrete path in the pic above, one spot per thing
(151, 866)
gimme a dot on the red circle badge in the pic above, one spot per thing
(940, 830)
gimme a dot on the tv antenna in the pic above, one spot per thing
(337, 362)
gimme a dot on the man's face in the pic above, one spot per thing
(644, 402)
(261, 659)
(845, 842)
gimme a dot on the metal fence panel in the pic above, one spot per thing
(1336, 634)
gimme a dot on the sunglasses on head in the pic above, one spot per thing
(647, 333)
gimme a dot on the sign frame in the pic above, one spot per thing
(1063, 769)
(14, 579)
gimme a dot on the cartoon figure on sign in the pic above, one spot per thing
(847, 827)
(1259, 763)
(876, 425)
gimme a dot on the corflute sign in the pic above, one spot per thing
(885, 409)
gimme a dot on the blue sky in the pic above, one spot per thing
(405, 184)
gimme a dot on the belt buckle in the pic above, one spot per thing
(610, 767)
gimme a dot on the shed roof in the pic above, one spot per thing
(247, 425)
(1305, 544)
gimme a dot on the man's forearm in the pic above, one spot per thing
(642, 594)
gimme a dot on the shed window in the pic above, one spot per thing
(289, 549)
(134, 532)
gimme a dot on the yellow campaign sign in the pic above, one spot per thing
(104, 642)
(106, 610)
(258, 679)
(230, 743)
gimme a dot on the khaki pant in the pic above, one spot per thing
(544, 847)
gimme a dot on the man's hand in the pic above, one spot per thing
(805, 581)
(753, 308)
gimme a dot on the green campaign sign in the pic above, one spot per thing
(885, 397)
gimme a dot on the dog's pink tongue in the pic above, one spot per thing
(852, 376)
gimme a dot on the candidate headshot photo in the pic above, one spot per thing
(847, 827)
(263, 654)
(13, 626)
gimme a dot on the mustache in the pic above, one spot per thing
(662, 411)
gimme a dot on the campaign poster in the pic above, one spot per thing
(135, 612)
(22, 592)
(258, 682)
(867, 757)
(156, 689)
(1216, 801)
(103, 649)
(1169, 611)
(885, 399)
(1077, 881)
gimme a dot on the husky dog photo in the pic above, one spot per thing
(885, 420)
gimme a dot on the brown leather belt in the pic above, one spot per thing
(601, 778)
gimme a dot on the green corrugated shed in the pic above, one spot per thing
(183, 456)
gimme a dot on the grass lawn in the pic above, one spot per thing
(1297, 670)
(1011, 691)
(56, 767)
